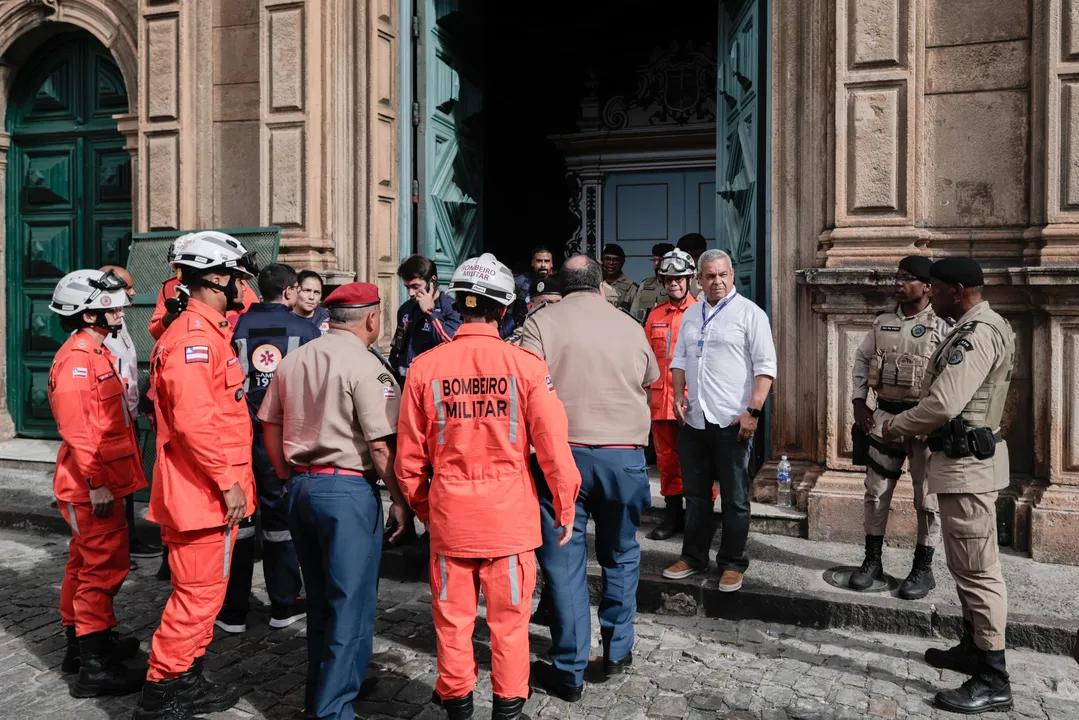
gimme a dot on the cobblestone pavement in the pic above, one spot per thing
(684, 667)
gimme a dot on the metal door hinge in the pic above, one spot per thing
(415, 191)
(415, 27)
(416, 114)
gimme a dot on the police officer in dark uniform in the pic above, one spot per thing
(426, 319)
(264, 335)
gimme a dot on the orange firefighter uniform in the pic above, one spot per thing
(168, 290)
(203, 449)
(662, 327)
(470, 409)
(99, 448)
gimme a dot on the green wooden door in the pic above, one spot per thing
(740, 104)
(68, 202)
(449, 148)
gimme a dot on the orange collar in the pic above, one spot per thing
(476, 330)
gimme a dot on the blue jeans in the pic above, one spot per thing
(336, 524)
(615, 492)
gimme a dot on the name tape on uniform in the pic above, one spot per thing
(197, 353)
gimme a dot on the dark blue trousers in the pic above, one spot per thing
(615, 492)
(336, 523)
(279, 562)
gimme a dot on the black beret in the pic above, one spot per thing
(612, 249)
(963, 271)
(547, 286)
(661, 249)
(918, 266)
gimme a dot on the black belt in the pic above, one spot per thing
(936, 444)
(894, 406)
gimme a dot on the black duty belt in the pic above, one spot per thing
(894, 406)
(936, 444)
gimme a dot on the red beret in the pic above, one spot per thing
(353, 295)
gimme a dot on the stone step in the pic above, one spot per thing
(28, 454)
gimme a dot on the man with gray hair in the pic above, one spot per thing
(601, 365)
(726, 359)
(330, 420)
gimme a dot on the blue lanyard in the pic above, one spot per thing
(708, 319)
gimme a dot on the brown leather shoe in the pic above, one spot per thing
(680, 570)
(730, 581)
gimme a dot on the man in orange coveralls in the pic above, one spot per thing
(470, 409)
(97, 465)
(163, 316)
(674, 271)
(203, 485)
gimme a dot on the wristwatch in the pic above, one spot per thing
(755, 412)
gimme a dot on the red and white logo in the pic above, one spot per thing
(266, 357)
(106, 301)
(550, 385)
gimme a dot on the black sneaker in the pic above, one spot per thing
(140, 549)
(232, 623)
(283, 616)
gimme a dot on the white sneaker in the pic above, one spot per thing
(230, 628)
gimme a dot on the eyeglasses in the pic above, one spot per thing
(674, 279)
(905, 278)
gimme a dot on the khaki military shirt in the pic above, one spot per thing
(651, 293)
(626, 291)
(968, 375)
(601, 363)
(894, 341)
(332, 396)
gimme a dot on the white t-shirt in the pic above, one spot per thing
(127, 365)
(737, 348)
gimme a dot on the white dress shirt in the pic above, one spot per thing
(122, 349)
(737, 348)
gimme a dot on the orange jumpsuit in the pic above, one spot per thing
(168, 289)
(470, 409)
(99, 447)
(662, 327)
(203, 449)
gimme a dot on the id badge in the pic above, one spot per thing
(700, 347)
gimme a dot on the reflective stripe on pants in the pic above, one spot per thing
(98, 563)
(507, 584)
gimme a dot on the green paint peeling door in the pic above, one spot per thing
(68, 202)
(449, 150)
(740, 172)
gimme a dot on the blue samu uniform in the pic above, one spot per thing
(418, 332)
(265, 334)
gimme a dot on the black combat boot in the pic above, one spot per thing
(674, 521)
(872, 567)
(159, 702)
(989, 690)
(507, 709)
(200, 695)
(456, 708)
(921, 580)
(121, 648)
(99, 673)
(963, 658)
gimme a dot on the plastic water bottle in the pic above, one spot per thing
(783, 483)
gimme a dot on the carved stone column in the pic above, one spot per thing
(128, 125)
(876, 138)
(7, 426)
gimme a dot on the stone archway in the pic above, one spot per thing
(23, 27)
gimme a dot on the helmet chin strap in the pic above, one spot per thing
(232, 302)
(102, 323)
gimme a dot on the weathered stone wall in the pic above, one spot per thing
(236, 113)
(947, 130)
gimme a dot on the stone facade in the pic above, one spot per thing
(898, 126)
(938, 127)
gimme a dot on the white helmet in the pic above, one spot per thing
(87, 291)
(486, 276)
(677, 263)
(209, 249)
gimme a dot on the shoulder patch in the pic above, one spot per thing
(550, 385)
(917, 331)
(79, 372)
(386, 379)
(968, 327)
(389, 393)
(963, 343)
(956, 357)
(197, 353)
